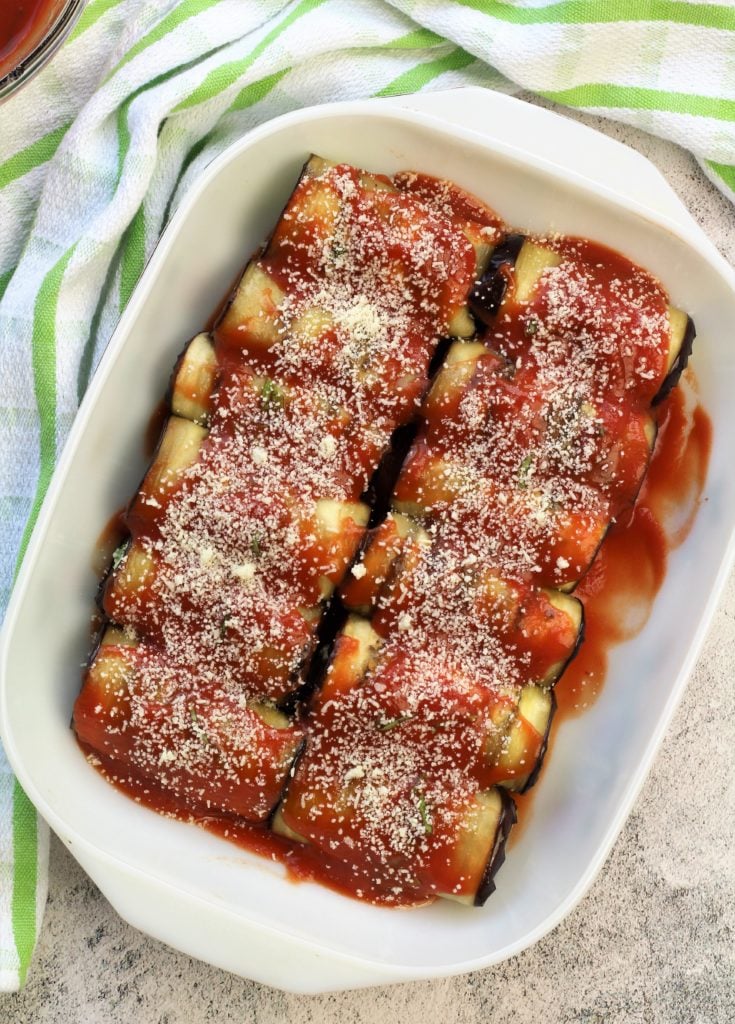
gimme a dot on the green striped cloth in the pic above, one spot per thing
(97, 151)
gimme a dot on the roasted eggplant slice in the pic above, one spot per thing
(331, 539)
(193, 380)
(382, 786)
(375, 567)
(178, 449)
(520, 263)
(683, 334)
(574, 610)
(526, 740)
(128, 581)
(453, 381)
(495, 860)
(531, 264)
(251, 319)
(489, 290)
(140, 715)
(279, 826)
(480, 848)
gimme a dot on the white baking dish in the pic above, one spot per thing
(195, 891)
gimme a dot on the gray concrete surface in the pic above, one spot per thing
(652, 943)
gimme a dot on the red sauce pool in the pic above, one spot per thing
(621, 586)
(619, 590)
(23, 24)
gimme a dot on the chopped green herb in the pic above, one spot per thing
(255, 544)
(193, 714)
(523, 472)
(272, 394)
(393, 723)
(531, 327)
(118, 554)
(425, 819)
(223, 626)
(337, 250)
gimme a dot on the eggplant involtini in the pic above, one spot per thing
(344, 601)
(250, 511)
(395, 781)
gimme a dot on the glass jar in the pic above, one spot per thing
(31, 31)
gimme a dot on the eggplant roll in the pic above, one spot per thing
(310, 299)
(402, 568)
(535, 426)
(178, 449)
(385, 787)
(522, 275)
(193, 380)
(211, 749)
(543, 532)
(314, 443)
(270, 666)
(246, 614)
(530, 455)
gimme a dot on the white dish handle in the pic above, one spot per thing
(595, 156)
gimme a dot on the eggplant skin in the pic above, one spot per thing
(95, 645)
(532, 777)
(582, 632)
(508, 818)
(680, 363)
(385, 476)
(300, 750)
(169, 396)
(487, 294)
(107, 575)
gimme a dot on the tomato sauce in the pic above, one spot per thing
(524, 508)
(621, 586)
(23, 24)
(239, 530)
(619, 590)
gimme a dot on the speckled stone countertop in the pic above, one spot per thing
(652, 943)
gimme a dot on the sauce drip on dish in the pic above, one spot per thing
(387, 773)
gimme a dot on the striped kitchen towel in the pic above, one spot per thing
(97, 151)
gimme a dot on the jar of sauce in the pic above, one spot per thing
(31, 31)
